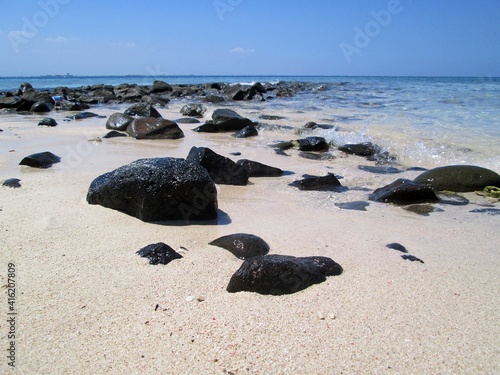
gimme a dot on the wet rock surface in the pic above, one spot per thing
(328, 182)
(119, 121)
(281, 274)
(459, 178)
(47, 121)
(159, 253)
(242, 245)
(404, 191)
(157, 190)
(154, 128)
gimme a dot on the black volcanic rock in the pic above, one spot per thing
(222, 170)
(281, 274)
(157, 189)
(159, 253)
(154, 128)
(228, 120)
(40, 160)
(119, 121)
(256, 169)
(328, 182)
(193, 110)
(242, 245)
(142, 110)
(460, 178)
(312, 144)
(161, 86)
(47, 121)
(403, 191)
(246, 132)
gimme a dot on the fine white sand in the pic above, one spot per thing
(88, 304)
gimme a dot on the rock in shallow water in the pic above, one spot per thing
(242, 245)
(40, 160)
(403, 191)
(159, 253)
(154, 128)
(461, 178)
(328, 182)
(157, 189)
(281, 274)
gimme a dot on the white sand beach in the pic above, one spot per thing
(88, 304)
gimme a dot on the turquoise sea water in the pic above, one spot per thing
(425, 121)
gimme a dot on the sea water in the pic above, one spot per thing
(423, 121)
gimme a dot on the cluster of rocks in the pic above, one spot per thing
(27, 99)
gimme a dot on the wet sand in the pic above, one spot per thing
(88, 304)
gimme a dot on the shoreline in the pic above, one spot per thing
(88, 303)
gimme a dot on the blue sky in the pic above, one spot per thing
(251, 37)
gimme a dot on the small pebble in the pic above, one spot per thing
(190, 298)
(332, 316)
(321, 316)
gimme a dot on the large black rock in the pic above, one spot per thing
(246, 132)
(40, 160)
(154, 128)
(403, 191)
(157, 189)
(229, 120)
(256, 169)
(222, 170)
(281, 274)
(461, 178)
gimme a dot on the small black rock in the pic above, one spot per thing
(159, 253)
(412, 258)
(41, 160)
(397, 246)
(12, 182)
(47, 121)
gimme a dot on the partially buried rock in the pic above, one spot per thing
(281, 274)
(47, 121)
(397, 246)
(221, 169)
(114, 134)
(154, 128)
(228, 120)
(256, 169)
(242, 245)
(83, 115)
(119, 121)
(246, 132)
(40, 160)
(157, 190)
(403, 191)
(412, 258)
(12, 183)
(328, 182)
(159, 253)
(461, 178)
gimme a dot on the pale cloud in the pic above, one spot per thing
(124, 44)
(60, 39)
(241, 51)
